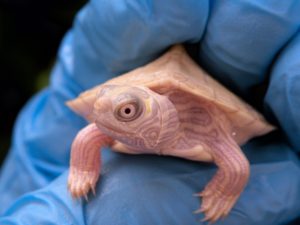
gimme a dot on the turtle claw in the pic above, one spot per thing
(215, 206)
(81, 182)
(93, 190)
(86, 197)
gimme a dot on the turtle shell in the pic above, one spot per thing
(175, 70)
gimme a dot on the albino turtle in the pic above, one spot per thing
(168, 107)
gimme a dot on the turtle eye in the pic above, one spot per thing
(128, 111)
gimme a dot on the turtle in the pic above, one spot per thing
(168, 107)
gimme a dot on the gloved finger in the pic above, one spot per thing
(282, 98)
(148, 189)
(113, 37)
(42, 136)
(243, 39)
(50, 205)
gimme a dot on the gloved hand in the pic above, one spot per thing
(246, 45)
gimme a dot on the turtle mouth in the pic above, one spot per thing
(111, 130)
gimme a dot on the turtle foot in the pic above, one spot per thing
(215, 205)
(81, 182)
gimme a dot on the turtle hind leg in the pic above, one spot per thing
(221, 193)
(86, 160)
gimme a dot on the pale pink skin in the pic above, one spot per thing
(137, 120)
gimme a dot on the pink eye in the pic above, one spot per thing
(128, 111)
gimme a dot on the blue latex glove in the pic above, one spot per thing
(243, 44)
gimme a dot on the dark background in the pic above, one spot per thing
(30, 33)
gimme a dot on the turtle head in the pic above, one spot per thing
(136, 116)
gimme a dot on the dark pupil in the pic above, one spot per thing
(127, 110)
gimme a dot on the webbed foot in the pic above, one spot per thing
(81, 182)
(215, 204)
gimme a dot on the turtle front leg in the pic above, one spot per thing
(221, 193)
(86, 160)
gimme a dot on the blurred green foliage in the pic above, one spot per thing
(42, 79)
